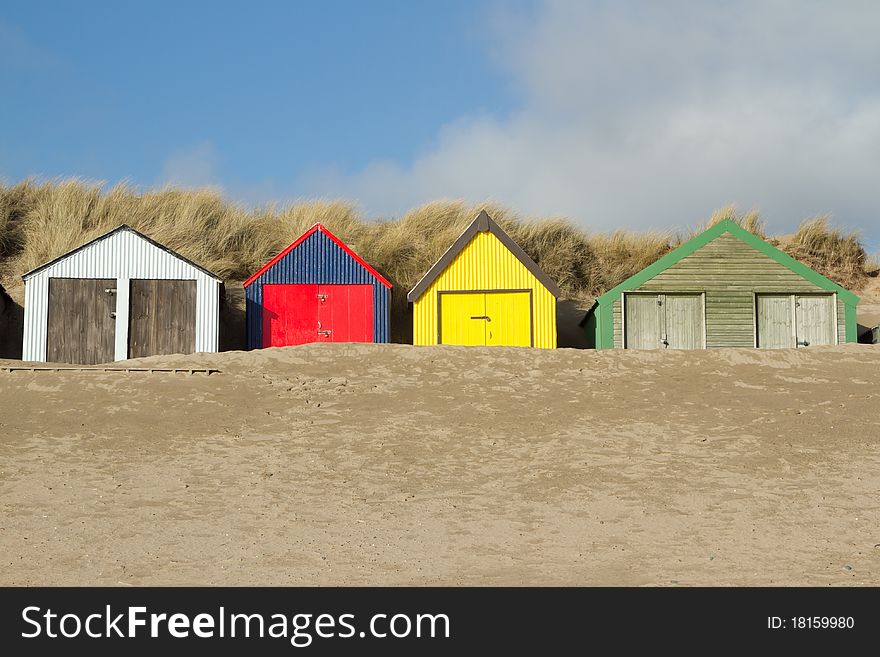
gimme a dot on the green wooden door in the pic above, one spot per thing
(643, 321)
(775, 321)
(664, 321)
(814, 315)
(682, 316)
(786, 321)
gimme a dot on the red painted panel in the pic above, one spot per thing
(290, 314)
(298, 314)
(346, 311)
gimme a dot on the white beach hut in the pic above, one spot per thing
(120, 296)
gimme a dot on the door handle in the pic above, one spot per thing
(486, 317)
(325, 332)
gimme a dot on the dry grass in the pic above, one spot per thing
(831, 251)
(750, 220)
(40, 221)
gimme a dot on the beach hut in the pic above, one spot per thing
(485, 290)
(120, 296)
(724, 288)
(316, 290)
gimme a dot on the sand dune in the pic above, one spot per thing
(389, 464)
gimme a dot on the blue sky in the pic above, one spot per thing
(616, 114)
(113, 90)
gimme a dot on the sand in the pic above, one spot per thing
(391, 464)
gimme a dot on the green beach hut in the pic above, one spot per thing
(724, 288)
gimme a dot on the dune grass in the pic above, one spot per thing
(42, 220)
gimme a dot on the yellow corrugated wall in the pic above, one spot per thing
(486, 264)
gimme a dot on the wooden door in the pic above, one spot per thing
(463, 318)
(814, 317)
(161, 317)
(345, 313)
(775, 321)
(508, 319)
(290, 315)
(682, 321)
(82, 321)
(643, 329)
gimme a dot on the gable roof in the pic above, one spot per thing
(302, 238)
(482, 224)
(110, 233)
(727, 226)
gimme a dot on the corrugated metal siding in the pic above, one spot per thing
(730, 272)
(486, 264)
(123, 256)
(317, 260)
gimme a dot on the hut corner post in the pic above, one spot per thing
(605, 326)
(599, 327)
(122, 305)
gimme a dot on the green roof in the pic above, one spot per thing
(727, 226)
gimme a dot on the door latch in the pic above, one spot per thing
(486, 317)
(113, 315)
(110, 290)
(324, 332)
(803, 343)
(322, 297)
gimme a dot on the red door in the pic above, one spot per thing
(290, 314)
(345, 313)
(297, 314)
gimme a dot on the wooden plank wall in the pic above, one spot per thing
(729, 271)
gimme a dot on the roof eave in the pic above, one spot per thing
(110, 233)
(483, 223)
(727, 226)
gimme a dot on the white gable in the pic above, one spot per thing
(122, 254)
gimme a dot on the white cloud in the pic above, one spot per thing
(653, 114)
(195, 166)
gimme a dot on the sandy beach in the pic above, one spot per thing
(391, 464)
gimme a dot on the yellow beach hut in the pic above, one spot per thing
(485, 291)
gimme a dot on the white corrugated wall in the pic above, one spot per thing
(122, 255)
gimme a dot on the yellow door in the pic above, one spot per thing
(509, 322)
(463, 319)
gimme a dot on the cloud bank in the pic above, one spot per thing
(640, 114)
